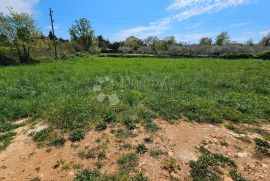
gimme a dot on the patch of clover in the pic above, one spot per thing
(105, 87)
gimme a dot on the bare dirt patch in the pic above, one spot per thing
(23, 160)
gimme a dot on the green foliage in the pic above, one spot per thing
(128, 162)
(222, 38)
(62, 92)
(237, 177)
(139, 177)
(5, 140)
(265, 40)
(205, 41)
(59, 141)
(263, 55)
(263, 147)
(207, 167)
(141, 149)
(156, 153)
(88, 175)
(172, 165)
(81, 31)
(19, 29)
(42, 135)
(76, 136)
(101, 126)
(7, 126)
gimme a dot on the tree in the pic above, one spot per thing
(81, 31)
(133, 42)
(205, 41)
(51, 36)
(222, 39)
(102, 43)
(265, 40)
(160, 47)
(150, 40)
(249, 42)
(19, 29)
(170, 40)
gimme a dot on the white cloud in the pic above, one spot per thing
(152, 29)
(18, 5)
(265, 32)
(185, 10)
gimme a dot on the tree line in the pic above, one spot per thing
(21, 40)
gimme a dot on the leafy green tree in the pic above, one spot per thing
(222, 39)
(265, 40)
(134, 43)
(160, 47)
(102, 43)
(20, 31)
(150, 40)
(116, 45)
(82, 32)
(170, 40)
(51, 36)
(249, 42)
(205, 41)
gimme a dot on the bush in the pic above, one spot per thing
(4, 60)
(101, 126)
(263, 147)
(88, 175)
(59, 141)
(42, 135)
(76, 136)
(139, 177)
(128, 162)
(141, 149)
(264, 55)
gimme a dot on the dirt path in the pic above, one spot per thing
(22, 160)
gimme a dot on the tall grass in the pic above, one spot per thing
(205, 90)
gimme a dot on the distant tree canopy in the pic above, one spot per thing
(222, 39)
(51, 36)
(265, 40)
(102, 43)
(82, 32)
(133, 42)
(19, 30)
(205, 41)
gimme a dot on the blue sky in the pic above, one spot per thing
(187, 20)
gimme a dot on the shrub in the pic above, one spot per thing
(139, 177)
(156, 153)
(237, 177)
(141, 149)
(42, 135)
(101, 126)
(88, 175)
(5, 140)
(59, 141)
(264, 55)
(76, 136)
(207, 166)
(128, 162)
(171, 165)
(262, 147)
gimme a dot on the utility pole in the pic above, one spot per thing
(54, 41)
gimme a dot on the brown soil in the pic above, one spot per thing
(23, 160)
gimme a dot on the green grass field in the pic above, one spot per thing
(203, 90)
